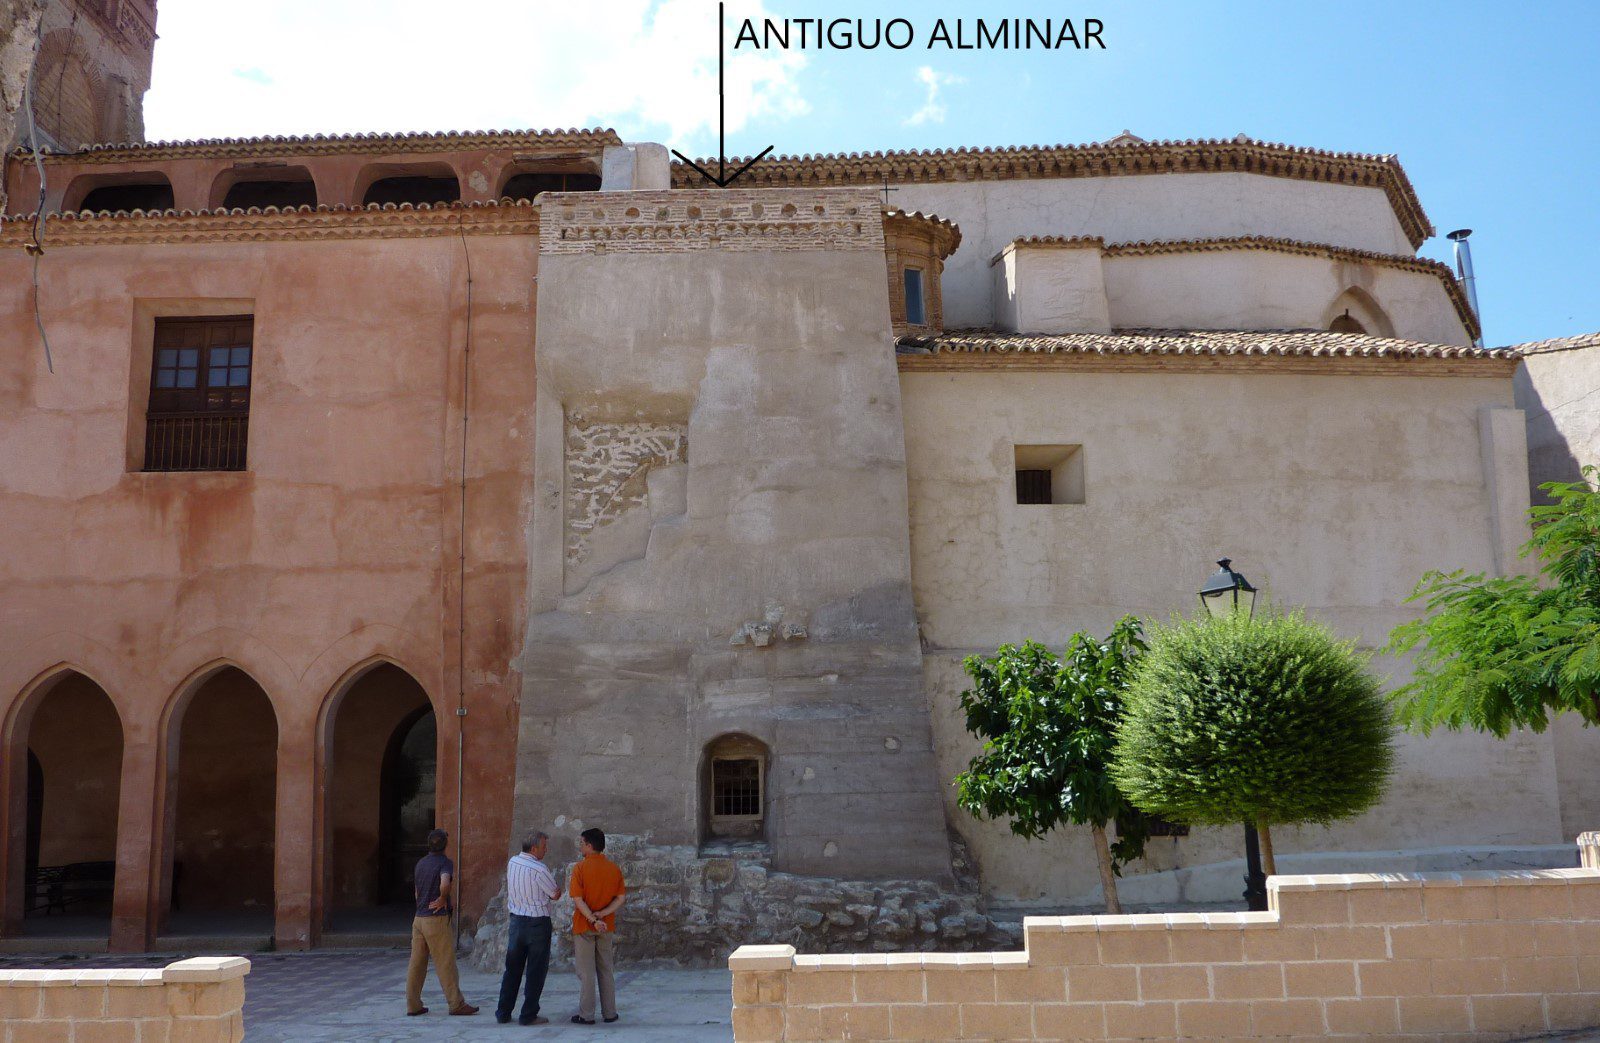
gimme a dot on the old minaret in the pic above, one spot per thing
(89, 62)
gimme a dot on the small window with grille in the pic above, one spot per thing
(735, 788)
(736, 781)
(199, 412)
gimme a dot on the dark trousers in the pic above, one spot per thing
(527, 956)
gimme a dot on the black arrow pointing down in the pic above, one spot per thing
(722, 179)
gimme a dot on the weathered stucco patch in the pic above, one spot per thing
(606, 468)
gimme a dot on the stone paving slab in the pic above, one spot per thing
(321, 997)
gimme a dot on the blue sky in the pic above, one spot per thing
(1494, 109)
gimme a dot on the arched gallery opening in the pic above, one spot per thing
(381, 783)
(221, 870)
(73, 779)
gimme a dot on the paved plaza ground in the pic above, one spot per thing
(340, 996)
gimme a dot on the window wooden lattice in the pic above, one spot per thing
(199, 411)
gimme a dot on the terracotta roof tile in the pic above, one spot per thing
(1239, 154)
(1541, 347)
(1155, 342)
(324, 144)
(947, 233)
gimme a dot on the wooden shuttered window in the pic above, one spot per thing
(199, 411)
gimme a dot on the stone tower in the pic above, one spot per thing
(90, 70)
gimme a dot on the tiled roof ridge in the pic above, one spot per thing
(257, 224)
(1575, 342)
(333, 142)
(1196, 342)
(54, 216)
(1304, 248)
(1190, 155)
(1056, 240)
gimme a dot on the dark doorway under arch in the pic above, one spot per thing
(74, 781)
(382, 765)
(221, 866)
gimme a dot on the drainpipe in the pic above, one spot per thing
(1464, 273)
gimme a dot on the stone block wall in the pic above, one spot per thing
(199, 1000)
(1462, 956)
(693, 908)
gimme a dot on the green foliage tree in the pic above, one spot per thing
(1048, 725)
(1509, 652)
(1268, 720)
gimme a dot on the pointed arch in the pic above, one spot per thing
(218, 769)
(63, 729)
(369, 727)
(1356, 307)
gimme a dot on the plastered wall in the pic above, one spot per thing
(1331, 493)
(750, 574)
(1147, 207)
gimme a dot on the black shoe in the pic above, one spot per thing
(503, 1019)
(579, 1019)
(612, 1018)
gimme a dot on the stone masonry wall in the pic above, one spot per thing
(192, 1001)
(693, 909)
(1456, 956)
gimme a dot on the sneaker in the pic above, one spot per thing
(464, 1009)
(535, 1020)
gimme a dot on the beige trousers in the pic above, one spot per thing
(592, 955)
(431, 936)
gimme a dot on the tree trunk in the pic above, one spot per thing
(1108, 879)
(1269, 865)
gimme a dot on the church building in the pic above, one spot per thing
(356, 484)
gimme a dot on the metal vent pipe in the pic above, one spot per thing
(1464, 273)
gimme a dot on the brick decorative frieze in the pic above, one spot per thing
(255, 225)
(718, 219)
(1461, 956)
(606, 468)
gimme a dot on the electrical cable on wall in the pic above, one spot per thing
(35, 244)
(461, 584)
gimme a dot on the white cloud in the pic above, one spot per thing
(646, 67)
(933, 110)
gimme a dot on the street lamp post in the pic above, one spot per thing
(1225, 593)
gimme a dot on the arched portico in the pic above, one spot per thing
(63, 743)
(378, 761)
(217, 870)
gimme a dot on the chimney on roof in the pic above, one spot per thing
(1464, 273)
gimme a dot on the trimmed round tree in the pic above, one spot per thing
(1264, 721)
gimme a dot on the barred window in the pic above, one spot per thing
(736, 787)
(734, 780)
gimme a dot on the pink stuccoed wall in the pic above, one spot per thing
(338, 547)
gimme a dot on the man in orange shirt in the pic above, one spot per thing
(597, 894)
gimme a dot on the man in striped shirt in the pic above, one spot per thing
(529, 891)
